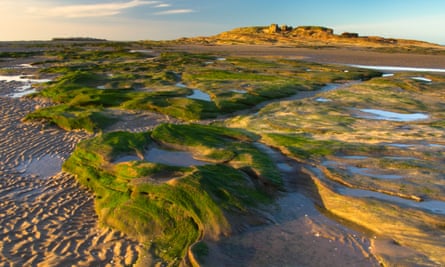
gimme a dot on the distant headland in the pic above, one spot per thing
(78, 39)
(275, 34)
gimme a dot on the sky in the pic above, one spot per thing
(170, 19)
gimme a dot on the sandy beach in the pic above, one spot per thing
(47, 219)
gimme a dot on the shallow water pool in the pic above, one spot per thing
(25, 88)
(173, 158)
(392, 116)
(200, 95)
(434, 206)
(397, 68)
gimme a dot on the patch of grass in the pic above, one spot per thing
(73, 118)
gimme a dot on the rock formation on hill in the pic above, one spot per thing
(307, 36)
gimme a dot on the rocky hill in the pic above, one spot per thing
(308, 36)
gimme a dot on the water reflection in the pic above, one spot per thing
(392, 116)
(167, 157)
(200, 95)
(396, 68)
(173, 158)
(434, 206)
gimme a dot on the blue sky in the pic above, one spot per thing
(170, 19)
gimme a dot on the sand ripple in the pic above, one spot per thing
(46, 218)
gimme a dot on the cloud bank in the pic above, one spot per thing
(91, 10)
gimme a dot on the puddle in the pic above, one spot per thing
(422, 79)
(101, 87)
(387, 74)
(332, 86)
(368, 172)
(434, 206)
(24, 89)
(399, 145)
(181, 85)
(322, 100)
(126, 159)
(436, 145)
(392, 116)
(396, 68)
(46, 166)
(26, 66)
(21, 66)
(200, 95)
(167, 157)
(22, 79)
(239, 91)
(221, 59)
(173, 158)
(361, 171)
(401, 158)
(144, 51)
(355, 157)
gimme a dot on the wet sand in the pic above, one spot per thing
(296, 233)
(358, 56)
(46, 218)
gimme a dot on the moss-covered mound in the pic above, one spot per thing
(90, 82)
(169, 207)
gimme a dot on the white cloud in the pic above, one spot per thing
(175, 11)
(89, 10)
(163, 5)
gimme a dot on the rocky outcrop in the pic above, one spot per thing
(273, 28)
(349, 35)
(308, 36)
(313, 32)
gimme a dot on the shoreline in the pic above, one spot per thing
(41, 222)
